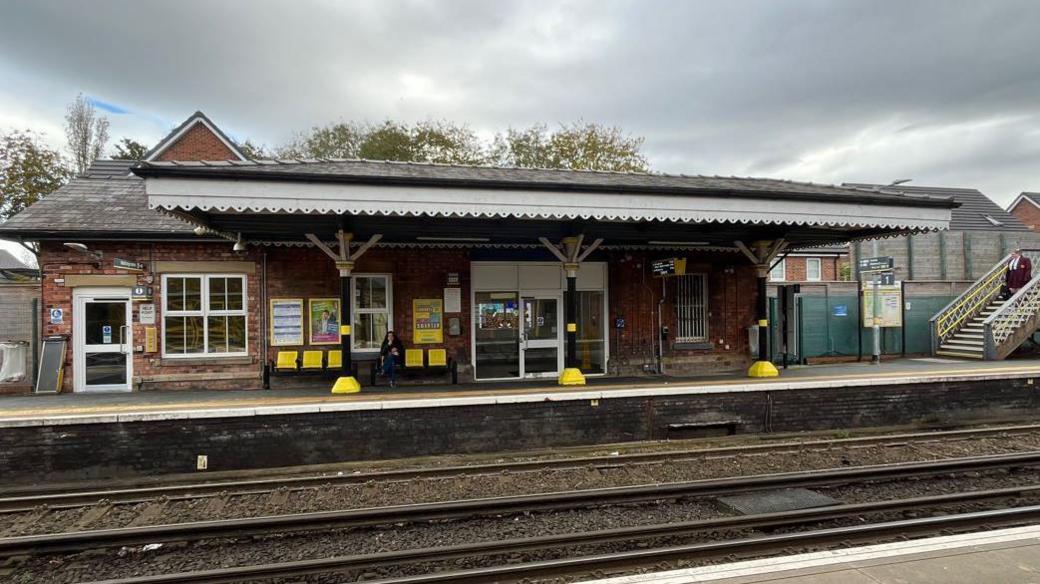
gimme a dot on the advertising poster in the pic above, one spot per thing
(427, 321)
(286, 321)
(324, 318)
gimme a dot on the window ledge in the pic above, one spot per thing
(708, 346)
(174, 361)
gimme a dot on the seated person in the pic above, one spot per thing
(392, 355)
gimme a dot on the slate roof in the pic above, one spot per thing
(460, 176)
(974, 214)
(107, 200)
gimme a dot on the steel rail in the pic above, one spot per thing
(384, 559)
(68, 499)
(93, 539)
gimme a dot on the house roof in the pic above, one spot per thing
(196, 118)
(1033, 198)
(104, 202)
(386, 173)
(976, 212)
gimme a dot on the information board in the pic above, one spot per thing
(891, 298)
(668, 267)
(52, 365)
(286, 321)
(427, 321)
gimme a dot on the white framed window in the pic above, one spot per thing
(691, 305)
(779, 272)
(204, 315)
(372, 308)
(813, 270)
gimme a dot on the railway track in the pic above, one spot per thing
(641, 557)
(455, 510)
(21, 501)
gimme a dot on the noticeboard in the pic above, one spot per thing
(52, 365)
(891, 299)
(286, 322)
(668, 267)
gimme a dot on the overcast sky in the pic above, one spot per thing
(944, 92)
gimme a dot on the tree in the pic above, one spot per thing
(442, 142)
(579, 146)
(129, 149)
(87, 133)
(254, 151)
(29, 170)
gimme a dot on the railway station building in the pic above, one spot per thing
(199, 268)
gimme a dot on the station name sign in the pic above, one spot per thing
(668, 267)
(122, 264)
(878, 264)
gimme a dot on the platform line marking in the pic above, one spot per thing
(774, 567)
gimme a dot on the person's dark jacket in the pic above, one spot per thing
(1020, 276)
(386, 350)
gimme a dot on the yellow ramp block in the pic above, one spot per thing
(763, 369)
(346, 385)
(571, 376)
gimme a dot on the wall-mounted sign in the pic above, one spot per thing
(286, 321)
(146, 313)
(151, 344)
(840, 310)
(122, 264)
(427, 321)
(324, 318)
(668, 267)
(877, 264)
(452, 300)
(453, 278)
(57, 316)
(141, 292)
(106, 334)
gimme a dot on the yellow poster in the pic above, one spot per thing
(890, 313)
(427, 321)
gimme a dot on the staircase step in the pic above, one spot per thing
(962, 355)
(969, 335)
(957, 340)
(958, 346)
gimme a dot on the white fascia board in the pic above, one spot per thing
(1019, 199)
(256, 196)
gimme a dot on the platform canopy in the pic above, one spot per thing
(432, 204)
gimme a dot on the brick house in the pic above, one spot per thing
(1026, 208)
(196, 267)
(823, 264)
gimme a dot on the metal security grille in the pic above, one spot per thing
(692, 307)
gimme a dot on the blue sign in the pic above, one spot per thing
(841, 310)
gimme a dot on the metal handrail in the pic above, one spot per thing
(969, 304)
(1015, 312)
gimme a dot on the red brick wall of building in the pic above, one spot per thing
(57, 262)
(296, 272)
(1027, 213)
(795, 269)
(198, 143)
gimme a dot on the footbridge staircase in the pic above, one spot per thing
(978, 324)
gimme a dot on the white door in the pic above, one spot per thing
(103, 342)
(541, 339)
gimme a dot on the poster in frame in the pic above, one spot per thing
(324, 318)
(286, 322)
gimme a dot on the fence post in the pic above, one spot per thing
(35, 304)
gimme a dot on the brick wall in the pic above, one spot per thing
(198, 143)
(795, 268)
(134, 449)
(57, 262)
(1027, 213)
(635, 294)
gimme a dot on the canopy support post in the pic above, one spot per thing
(762, 254)
(571, 257)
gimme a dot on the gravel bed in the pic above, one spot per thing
(97, 565)
(384, 493)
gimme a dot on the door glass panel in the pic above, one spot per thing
(541, 360)
(540, 322)
(105, 368)
(591, 332)
(103, 320)
(497, 335)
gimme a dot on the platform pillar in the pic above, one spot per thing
(346, 383)
(571, 374)
(764, 366)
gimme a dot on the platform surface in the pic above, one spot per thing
(1003, 556)
(56, 409)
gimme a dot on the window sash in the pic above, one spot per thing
(204, 314)
(819, 269)
(355, 310)
(779, 272)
